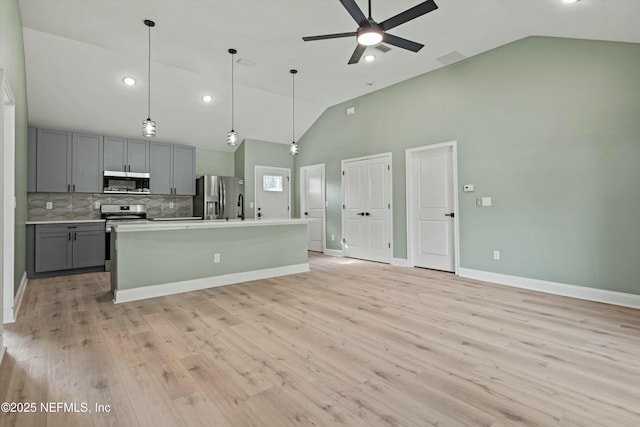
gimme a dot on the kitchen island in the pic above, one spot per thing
(152, 259)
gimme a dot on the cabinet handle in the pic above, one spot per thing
(129, 168)
(68, 188)
(75, 235)
(74, 188)
(69, 235)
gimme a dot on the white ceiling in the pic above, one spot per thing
(78, 51)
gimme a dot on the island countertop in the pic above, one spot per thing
(128, 227)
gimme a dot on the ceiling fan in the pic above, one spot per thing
(371, 33)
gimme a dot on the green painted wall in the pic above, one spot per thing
(12, 62)
(211, 162)
(261, 153)
(548, 127)
(178, 255)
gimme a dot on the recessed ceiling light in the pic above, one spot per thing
(570, 1)
(370, 58)
(207, 98)
(369, 83)
(129, 81)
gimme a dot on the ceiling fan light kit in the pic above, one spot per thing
(148, 125)
(372, 33)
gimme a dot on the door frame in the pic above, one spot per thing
(8, 201)
(389, 155)
(409, 155)
(303, 199)
(255, 186)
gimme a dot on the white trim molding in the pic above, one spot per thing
(2, 351)
(333, 252)
(573, 291)
(400, 262)
(153, 291)
(12, 306)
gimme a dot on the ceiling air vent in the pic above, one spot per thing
(246, 62)
(451, 57)
(383, 48)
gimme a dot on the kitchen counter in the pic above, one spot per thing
(60, 221)
(152, 259)
(136, 226)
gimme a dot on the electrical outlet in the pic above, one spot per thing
(486, 201)
(170, 205)
(496, 255)
(216, 258)
(96, 205)
(468, 188)
(49, 205)
(251, 205)
(333, 237)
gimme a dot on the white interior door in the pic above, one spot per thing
(366, 195)
(432, 209)
(312, 205)
(273, 193)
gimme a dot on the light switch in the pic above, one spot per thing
(486, 201)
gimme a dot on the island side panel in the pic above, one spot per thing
(155, 257)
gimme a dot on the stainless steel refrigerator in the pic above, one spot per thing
(219, 197)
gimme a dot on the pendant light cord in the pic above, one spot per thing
(232, 93)
(293, 125)
(149, 78)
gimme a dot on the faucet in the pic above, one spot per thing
(241, 205)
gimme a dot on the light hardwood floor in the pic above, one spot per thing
(350, 343)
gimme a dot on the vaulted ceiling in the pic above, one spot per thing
(78, 51)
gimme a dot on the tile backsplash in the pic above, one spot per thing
(75, 206)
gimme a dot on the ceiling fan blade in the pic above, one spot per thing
(400, 42)
(409, 14)
(355, 12)
(329, 36)
(357, 54)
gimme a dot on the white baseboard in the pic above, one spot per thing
(580, 292)
(11, 308)
(333, 252)
(153, 291)
(400, 262)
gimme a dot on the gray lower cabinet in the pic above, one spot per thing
(68, 162)
(126, 155)
(68, 246)
(172, 169)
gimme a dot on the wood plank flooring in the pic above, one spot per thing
(351, 343)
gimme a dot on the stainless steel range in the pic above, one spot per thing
(119, 213)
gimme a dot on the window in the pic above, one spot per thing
(272, 183)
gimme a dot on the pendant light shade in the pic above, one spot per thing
(293, 148)
(232, 135)
(148, 125)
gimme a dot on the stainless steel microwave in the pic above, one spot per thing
(116, 182)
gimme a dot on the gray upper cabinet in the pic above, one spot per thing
(126, 155)
(184, 170)
(172, 169)
(31, 160)
(86, 173)
(161, 168)
(53, 161)
(67, 162)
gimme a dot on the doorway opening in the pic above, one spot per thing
(7, 199)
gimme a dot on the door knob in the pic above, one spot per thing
(450, 214)
(306, 213)
(367, 214)
(360, 213)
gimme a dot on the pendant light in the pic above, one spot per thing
(293, 148)
(232, 135)
(149, 126)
